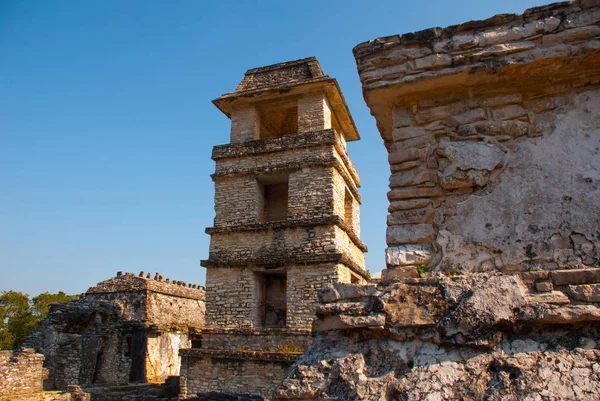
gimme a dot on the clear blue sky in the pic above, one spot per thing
(107, 126)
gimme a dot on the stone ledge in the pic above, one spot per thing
(291, 223)
(284, 357)
(266, 331)
(575, 276)
(272, 145)
(286, 261)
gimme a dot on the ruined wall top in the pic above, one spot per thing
(477, 56)
(129, 282)
(281, 74)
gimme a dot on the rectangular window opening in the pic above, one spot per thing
(273, 300)
(274, 197)
(348, 207)
(278, 119)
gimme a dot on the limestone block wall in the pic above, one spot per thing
(493, 135)
(175, 313)
(274, 245)
(21, 372)
(153, 301)
(239, 309)
(314, 113)
(264, 339)
(309, 159)
(251, 375)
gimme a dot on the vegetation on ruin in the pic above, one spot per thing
(422, 268)
(19, 314)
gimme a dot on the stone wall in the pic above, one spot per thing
(266, 339)
(239, 373)
(21, 372)
(125, 329)
(239, 309)
(478, 336)
(492, 133)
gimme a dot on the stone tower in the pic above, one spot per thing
(286, 224)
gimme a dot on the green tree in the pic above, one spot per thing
(41, 303)
(19, 315)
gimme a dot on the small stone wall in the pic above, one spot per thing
(21, 372)
(237, 372)
(270, 340)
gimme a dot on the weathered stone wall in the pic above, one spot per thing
(265, 339)
(492, 133)
(248, 373)
(163, 358)
(239, 309)
(479, 336)
(21, 372)
(175, 313)
(127, 328)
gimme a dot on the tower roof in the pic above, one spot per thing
(290, 78)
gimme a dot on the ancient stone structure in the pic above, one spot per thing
(22, 379)
(125, 329)
(286, 224)
(493, 260)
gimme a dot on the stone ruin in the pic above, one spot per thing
(492, 285)
(125, 329)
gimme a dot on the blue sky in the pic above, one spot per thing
(107, 126)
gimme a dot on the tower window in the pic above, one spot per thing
(348, 207)
(278, 119)
(273, 300)
(274, 197)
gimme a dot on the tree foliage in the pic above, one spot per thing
(19, 314)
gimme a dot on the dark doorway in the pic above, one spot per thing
(273, 311)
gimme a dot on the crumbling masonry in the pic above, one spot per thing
(125, 329)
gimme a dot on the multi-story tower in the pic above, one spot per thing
(287, 213)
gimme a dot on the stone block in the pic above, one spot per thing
(412, 177)
(411, 149)
(438, 60)
(413, 216)
(552, 297)
(406, 255)
(472, 155)
(343, 322)
(584, 293)
(401, 117)
(408, 204)
(414, 192)
(576, 276)
(400, 134)
(544, 286)
(508, 112)
(410, 234)
(339, 291)
(513, 128)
